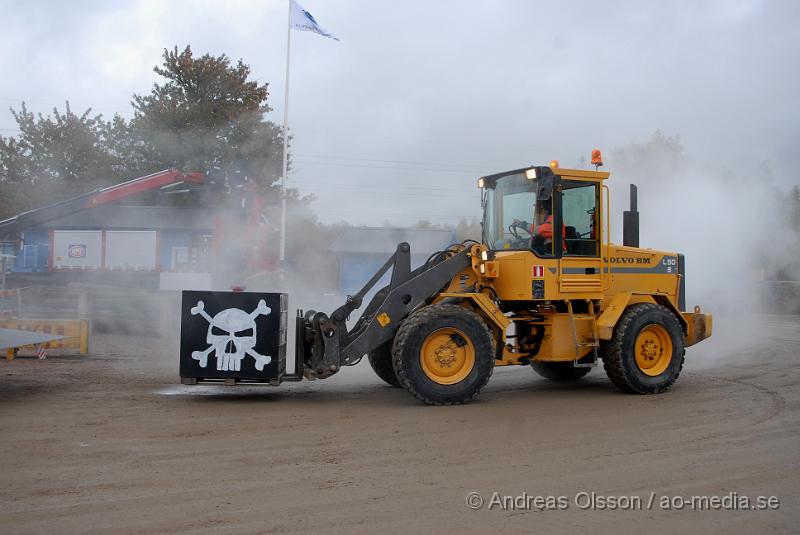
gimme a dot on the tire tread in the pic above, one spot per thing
(409, 326)
(381, 361)
(614, 351)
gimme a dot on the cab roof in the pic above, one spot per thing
(581, 173)
(546, 170)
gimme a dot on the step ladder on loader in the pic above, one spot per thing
(584, 320)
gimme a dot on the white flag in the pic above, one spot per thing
(304, 21)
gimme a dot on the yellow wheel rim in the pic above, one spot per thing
(653, 350)
(447, 356)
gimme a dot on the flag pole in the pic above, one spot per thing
(285, 166)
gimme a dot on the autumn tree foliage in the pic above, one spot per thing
(207, 114)
(204, 114)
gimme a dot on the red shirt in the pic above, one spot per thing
(545, 230)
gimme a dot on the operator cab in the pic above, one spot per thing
(525, 208)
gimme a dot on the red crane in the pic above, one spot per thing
(38, 216)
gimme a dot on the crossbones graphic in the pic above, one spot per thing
(231, 336)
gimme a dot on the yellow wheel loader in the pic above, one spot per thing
(544, 289)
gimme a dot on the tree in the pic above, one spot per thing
(793, 202)
(55, 156)
(207, 115)
(16, 196)
(661, 157)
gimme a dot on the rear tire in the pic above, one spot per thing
(562, 372)
(443, 354)
(381, 361)
(645, 355)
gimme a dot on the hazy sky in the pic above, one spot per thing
(397, 120)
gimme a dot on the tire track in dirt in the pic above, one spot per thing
(778, 400)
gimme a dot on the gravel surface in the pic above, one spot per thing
(113, 443)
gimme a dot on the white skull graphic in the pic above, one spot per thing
(231, 336)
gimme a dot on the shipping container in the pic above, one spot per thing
(132, 250)
(77, 249)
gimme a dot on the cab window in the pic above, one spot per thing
(579, 215)
(509, 213)
(518, 214)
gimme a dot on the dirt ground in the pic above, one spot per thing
(113, 443)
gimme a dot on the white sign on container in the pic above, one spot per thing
(134, 250)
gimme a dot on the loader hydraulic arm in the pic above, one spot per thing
(324, 344)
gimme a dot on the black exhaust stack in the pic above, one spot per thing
(630, 222)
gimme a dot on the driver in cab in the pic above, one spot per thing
(542, 230)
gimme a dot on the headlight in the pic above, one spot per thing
(481, 182)
(530, 174)
(484, 255)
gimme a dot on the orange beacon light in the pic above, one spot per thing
(597, 158)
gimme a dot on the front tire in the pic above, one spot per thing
(645, 355)
(443, 354)
(381, 361)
